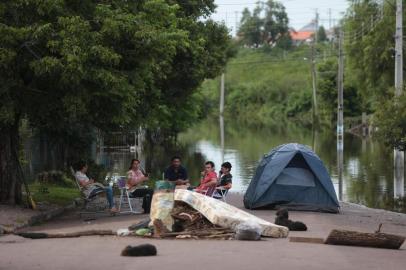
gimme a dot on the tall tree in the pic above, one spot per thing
(321, 34)
(72, 64)
(268, 24)
(275, 22)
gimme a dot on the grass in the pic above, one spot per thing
(265, 85)
(56, 195)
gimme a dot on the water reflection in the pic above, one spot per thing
(366, 175)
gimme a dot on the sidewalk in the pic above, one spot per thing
(104, 252)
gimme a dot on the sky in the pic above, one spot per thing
(300, 12)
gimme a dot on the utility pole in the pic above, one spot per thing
(316, 32)
(340, 87)
(313, 69)
(329, 19)
(399, 156)
(236, 23)
(340, 115)
(314, 81)
(222, 94)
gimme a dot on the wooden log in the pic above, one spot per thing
(377, 240)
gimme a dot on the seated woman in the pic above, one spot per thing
(209, 180)
(90, 187)
(134, 178)
(225, 180)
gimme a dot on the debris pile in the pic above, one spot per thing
(191, 224)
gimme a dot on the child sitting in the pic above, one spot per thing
(225, 180)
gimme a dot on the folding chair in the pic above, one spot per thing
(125, 198)
(220, 193)
(95, 203)
(209, 191)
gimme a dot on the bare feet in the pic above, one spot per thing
(113, 210)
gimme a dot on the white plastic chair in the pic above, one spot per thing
(125, 198)
(220, 193)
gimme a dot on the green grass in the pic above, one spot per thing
(263, 86)
(56, 195)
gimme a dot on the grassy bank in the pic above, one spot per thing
(263, 87)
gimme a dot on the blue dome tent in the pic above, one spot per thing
(292, 176)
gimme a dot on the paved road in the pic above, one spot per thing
(104, 252)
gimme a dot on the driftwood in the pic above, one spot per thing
(377, 239)
(37, 235)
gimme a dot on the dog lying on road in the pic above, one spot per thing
(282, 219)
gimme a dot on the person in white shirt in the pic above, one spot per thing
(90, 187)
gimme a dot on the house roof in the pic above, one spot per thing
(301, 35)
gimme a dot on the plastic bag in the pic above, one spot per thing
(248, 230)
(123, 232)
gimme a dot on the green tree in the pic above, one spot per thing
(391, 120)
(369, 50)
(67, 65)
(276, 22)
(251, 29)
(321, 34)
(268, 24)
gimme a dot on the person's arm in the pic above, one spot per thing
(134, 180)
(228, 182)
(83, 180)
(212, 181)
(184, 180)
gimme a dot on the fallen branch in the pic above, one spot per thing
(38, 235)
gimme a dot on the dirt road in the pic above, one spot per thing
(104, 252)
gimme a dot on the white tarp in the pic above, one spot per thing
(225, 215)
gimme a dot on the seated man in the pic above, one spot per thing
(90, 187)
(176, 172)
(209, 180)
(225, 180)
(135, 177)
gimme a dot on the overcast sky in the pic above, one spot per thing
(300, 12)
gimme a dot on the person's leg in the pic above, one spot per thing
(109, 195)
(146, 202)
(146, 195)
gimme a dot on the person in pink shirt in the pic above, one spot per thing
(135, 177)
(208, 182)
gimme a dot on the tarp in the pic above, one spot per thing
(225, 215)
(292, 175)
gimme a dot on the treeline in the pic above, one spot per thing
(68, 67)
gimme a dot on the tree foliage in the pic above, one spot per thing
(391, 120)
(69, 65)
(268, 24)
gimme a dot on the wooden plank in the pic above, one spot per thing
(310, 240)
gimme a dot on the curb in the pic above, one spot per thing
(39, 218)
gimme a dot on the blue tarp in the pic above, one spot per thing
(294, 177)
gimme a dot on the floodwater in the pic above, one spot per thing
(367, 165)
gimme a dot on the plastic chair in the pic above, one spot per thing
(125, 196)
(220, 193)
